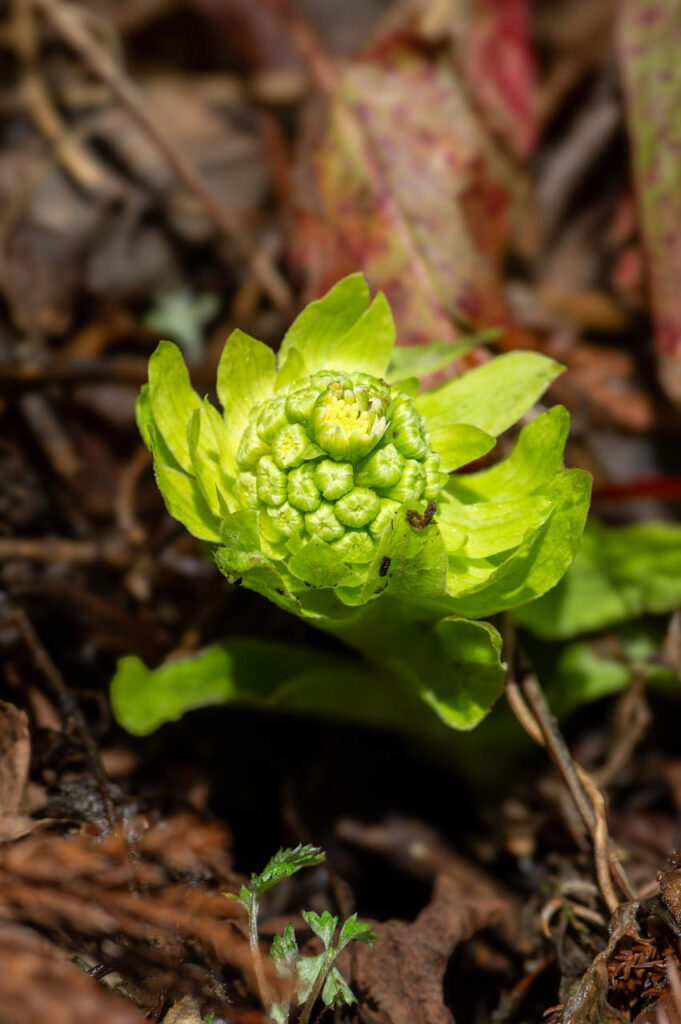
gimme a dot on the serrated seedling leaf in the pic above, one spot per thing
(354, 929)
(336, 991)
(279, 1012)
(284, 948)
(284, 864)
(323, 925)
(307, 970)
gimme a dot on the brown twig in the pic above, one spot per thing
(76, 160)
(528, 704)
(65, 20)
(67, 703)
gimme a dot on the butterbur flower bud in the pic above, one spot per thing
(319, 474)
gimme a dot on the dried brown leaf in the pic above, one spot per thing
(403, 977)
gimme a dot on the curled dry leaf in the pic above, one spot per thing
(403, 977)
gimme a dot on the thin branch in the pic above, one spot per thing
(68, 705)
(65, 20)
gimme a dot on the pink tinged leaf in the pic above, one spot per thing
(500, 68)
(400, 182)
(649, 45)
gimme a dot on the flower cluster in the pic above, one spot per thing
(333, 457)
(328, 471)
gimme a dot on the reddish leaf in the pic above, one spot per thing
(401, 183)
(649, 47)
(500, 69)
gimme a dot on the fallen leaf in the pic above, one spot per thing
(649, 42)
(40, 983)
(403, 977)
(15, 756)
(400, 181)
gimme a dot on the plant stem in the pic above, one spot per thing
(318, 986)
(263, 987)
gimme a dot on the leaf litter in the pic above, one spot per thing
(183, 160)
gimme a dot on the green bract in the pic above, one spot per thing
(324, 487)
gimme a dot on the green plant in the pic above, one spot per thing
(311, 977)
(330, 487)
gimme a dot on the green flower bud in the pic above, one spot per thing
(386, 512)
(383, 468)
(303, 492)
(355, 546)
(272, 418)
(286, 519)
(406, 428)
(334, 479)
(270, 482)
(332, 457)
(348, 421)
(434, 478)
(299, 404)
(251, 448)
(410, 485)
(246, 491)
(289, 446)
(358, 507)
(322, 523)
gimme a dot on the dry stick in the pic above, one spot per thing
(65, 21)
(586, 796)
(67, 702)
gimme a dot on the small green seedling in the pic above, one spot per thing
(311, 977)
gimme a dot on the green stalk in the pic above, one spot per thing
(314, 995)
(258, 967)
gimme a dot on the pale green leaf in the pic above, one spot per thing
(409, 561)
(541, 560)
(470, 676)
(421, 360)
(620, 572)
(316, 329)
(307, 970)
(323, 925)
(172, 399)
(210, 457)
(457, 444)
(246, 375)
(318, 565)
(183, 496)
(366, 347)
(143, 414)
(492, 397)
(336, 991)
(292, 369)
(492, 527)
(536, 457)
(354, 930)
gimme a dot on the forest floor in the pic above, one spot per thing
(178, 168)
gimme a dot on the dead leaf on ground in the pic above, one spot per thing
(15, 756)
(403, 977)
(649, 42)
(399, 180)
(39, 983)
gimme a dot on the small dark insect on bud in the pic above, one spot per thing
(418, 521)
(385, 565)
